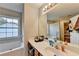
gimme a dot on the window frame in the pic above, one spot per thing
(19, 27)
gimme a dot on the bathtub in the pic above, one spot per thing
(9, 45)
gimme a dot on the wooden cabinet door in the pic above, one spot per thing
(66, 33)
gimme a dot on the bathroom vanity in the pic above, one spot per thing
(44, 49)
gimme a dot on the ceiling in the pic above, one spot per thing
(63, 10)
(13, 6)
(18, 6)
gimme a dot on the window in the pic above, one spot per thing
(9, 27)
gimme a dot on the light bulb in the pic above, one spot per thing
(45, 7)
(49, 4)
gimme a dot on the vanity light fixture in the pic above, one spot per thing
(47, 7)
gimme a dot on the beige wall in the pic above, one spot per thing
(43, 25)
(34, 23)
(30, 22)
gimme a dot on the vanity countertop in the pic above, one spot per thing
(46, 50)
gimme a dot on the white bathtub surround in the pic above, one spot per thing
(18, 51)
(6, 45)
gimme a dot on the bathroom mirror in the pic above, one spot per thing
(58, 22)
(54, 23)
